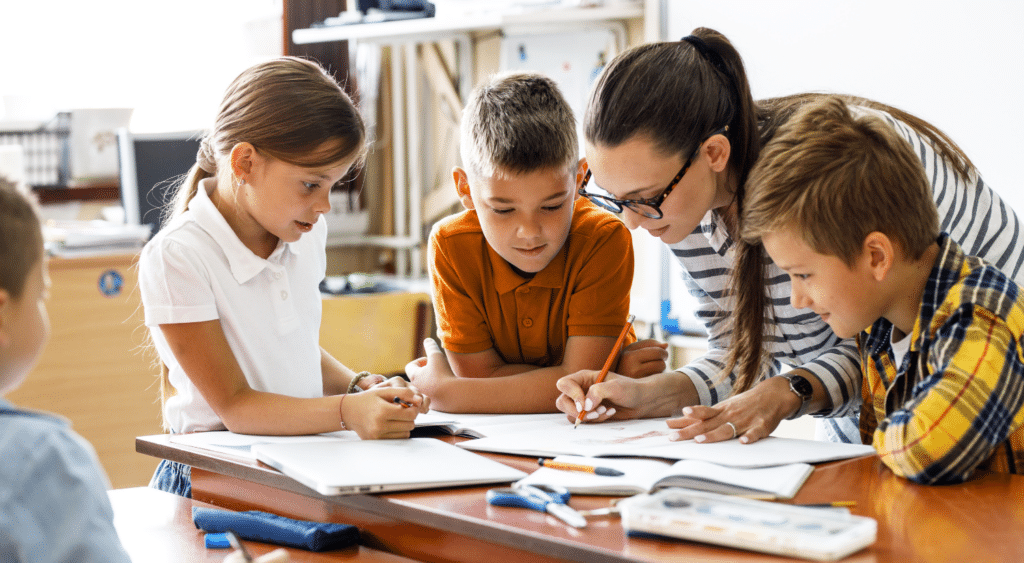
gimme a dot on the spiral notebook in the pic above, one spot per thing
(376, 466)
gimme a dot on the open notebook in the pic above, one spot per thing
(375, 466)
(649, 475)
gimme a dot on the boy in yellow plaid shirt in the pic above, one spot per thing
(841, 204)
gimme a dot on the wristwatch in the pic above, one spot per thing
(802, 388)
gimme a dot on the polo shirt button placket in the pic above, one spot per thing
(527, 322)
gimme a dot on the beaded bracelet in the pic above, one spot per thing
(353, 386)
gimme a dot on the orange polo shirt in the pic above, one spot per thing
(481, 302)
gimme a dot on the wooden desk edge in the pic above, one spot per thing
(380, 507)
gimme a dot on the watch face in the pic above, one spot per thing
(801, 386)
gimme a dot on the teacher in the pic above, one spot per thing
(671, 134)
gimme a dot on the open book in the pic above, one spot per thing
(649, 475)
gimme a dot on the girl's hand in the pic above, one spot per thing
(374, 414)
(422, 402)
(643, 358)
(615, 397)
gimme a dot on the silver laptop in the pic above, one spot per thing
(375, 466)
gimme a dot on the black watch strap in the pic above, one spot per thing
(802, 388)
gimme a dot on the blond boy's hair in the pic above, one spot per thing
(21, 238)
(517, 123)
(835, 177)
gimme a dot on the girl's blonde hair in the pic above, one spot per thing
(834, 177)
(287, 108)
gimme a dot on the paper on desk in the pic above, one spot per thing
(649, 438)
(481, 425)
(240, 445)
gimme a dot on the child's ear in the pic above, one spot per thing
(243, 156)
(581, 173)
(880, 254)
(462, 187)
(716, 151)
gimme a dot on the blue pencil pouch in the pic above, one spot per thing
(270, 528)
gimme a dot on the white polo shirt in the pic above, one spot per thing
(196, 269)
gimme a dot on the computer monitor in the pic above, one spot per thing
(151, 166)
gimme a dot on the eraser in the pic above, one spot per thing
(217, 541)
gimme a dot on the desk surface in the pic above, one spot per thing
(156, 527)
(982, 520)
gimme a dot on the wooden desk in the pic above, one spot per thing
(156, 527)
(982, 520)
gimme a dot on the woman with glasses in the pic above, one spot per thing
(671, 133)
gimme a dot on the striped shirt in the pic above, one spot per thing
(956, 401)
(974, 216)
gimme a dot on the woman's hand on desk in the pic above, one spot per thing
(748, 416)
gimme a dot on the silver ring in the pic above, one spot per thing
(734, 432)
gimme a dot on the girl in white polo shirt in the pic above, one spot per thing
(230, 285)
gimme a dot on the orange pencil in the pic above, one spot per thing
(608, 363)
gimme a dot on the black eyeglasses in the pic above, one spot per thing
(648, 207)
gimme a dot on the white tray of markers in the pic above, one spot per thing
(810, 533)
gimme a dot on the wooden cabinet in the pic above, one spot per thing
(97, 369)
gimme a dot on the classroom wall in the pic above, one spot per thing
(953, 63)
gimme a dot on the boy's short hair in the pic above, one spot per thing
(21, 238)
(835, 178)
(516, 123)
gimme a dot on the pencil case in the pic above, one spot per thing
(264, 527)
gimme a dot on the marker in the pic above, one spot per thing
(399, 401)
(607, 364)
(606, 471)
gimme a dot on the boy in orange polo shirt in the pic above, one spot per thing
(530, 282)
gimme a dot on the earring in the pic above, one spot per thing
(241, 182)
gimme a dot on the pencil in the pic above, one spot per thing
(608, 363)
(606, 471)
(833, 504)
(399, 401)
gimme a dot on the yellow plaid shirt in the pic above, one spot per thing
(956, 403)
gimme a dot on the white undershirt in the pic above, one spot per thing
(899, 348)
